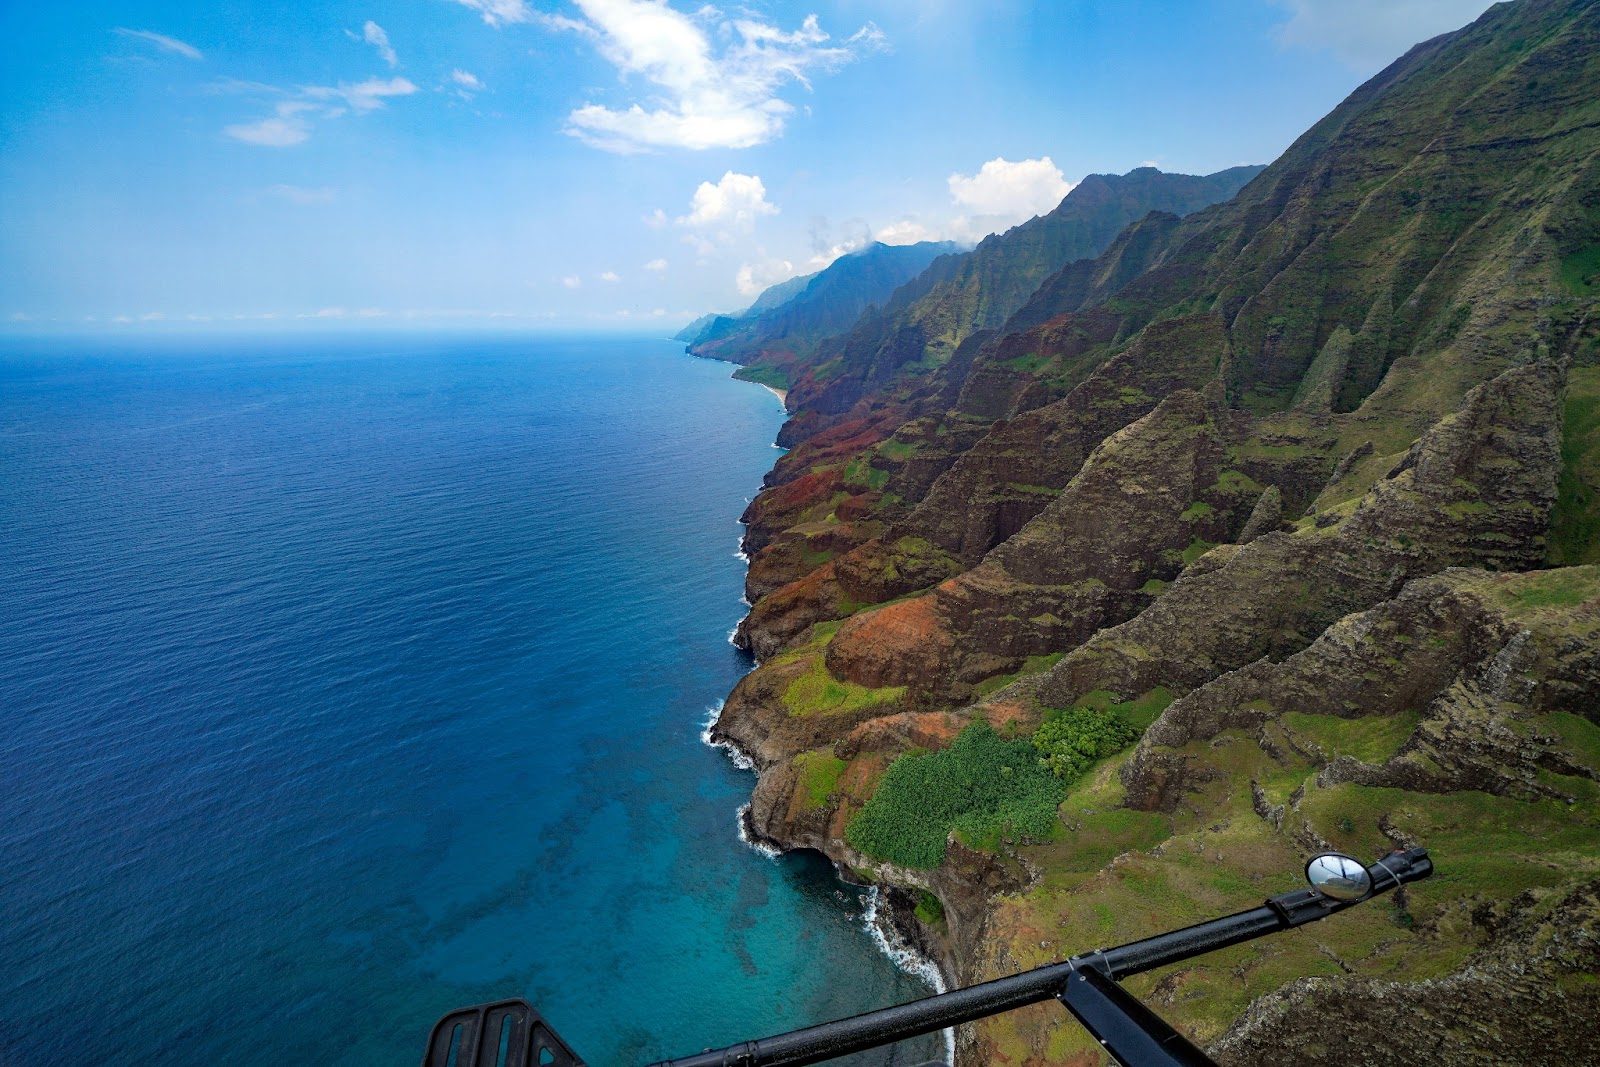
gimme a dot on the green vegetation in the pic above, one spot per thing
(898, 451)
(1197, 548)
(818, 692)
(860, 471)
(772, 377)
(1069, 741)
(1196, 511)
(819, 776)
(1370, 739)
(1555, 589)
(1027, 364)
(982, 787)
(1031, 665)
(1580, 272)
(930, 909)
(1575, 522)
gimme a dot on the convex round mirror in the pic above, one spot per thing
(1338, 877)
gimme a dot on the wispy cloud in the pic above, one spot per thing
(610, 276)
(572, 281)
(499, 12)
(467, 84)
(1365, 34)
(753, 278)
(290, 123)
(704, 96)
(304, 197)
(374, 35)
(277, 132)
(163, 42)
(656, 264)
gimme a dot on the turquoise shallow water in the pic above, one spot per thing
(347, 682)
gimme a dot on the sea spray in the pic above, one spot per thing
(735, 756)
(905, 956)
(748, 836)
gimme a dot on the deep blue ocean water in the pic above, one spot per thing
(345, 682)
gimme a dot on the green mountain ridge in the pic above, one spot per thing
(1299, 488)
(789, 319)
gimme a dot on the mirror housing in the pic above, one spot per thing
(1339, 877)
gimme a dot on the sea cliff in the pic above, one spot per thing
(1270, 523)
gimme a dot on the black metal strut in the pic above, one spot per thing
(1086, 984)
(874, 1028)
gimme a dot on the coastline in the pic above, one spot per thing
(887, 920)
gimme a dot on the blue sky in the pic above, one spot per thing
(599, 163)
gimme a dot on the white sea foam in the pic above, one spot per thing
(737, 758)
(743, 822)
(904, 956)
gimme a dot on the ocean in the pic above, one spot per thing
(349, 680)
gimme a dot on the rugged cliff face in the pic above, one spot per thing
(1270, 527)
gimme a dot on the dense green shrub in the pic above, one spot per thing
(1070, 741)
(982, 787)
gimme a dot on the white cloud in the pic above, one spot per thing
(1003, 194)
(754, 277)
(904, 232)
(1023, 189)
(373, 34)
(610, 276)
(291, 123)
(296, 194)
(735, 200)
(364, 96)
(656, 219)
(466, 79)
(1367, 34)
(656, 264)
(572, 281)
(499, 12)
(704, 98)
(163, 42)
(270, 133)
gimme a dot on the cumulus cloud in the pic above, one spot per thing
(1002, 194)
(1026, 188)
(656, 219)
(373, 34)
(656, 264)
(290, 123)
(904, 232)
(1367, 34)
(163, 42)
(736, 200)
(705, 95)
(610, 276)
(572, 281)
(466, 79)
